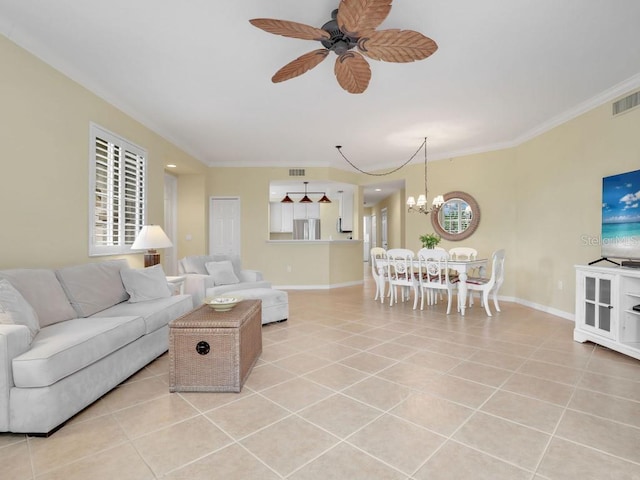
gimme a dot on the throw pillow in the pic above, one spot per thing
(222, 272)
(145, 284)
(42, 290)
(93, 287)
(15, 309)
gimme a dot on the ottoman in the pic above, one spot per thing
(275, 303)
(211, 351)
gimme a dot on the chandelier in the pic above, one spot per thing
(305, 199)
(420, 206)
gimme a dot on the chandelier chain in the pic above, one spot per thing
(424, 144)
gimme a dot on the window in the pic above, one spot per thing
(117, 204)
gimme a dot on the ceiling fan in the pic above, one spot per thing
(353, 25)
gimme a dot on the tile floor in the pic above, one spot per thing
(350, 389)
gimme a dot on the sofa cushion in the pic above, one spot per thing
(145, 284)
(92, 287)
(222, 272)
(14, 309)
(197, 263)
(156, 313)
(64, 348)
(275, 303)
(225, 289)
(43, 291)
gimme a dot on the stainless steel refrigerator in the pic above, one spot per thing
(306, 229)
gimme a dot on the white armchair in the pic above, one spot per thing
(199, 281)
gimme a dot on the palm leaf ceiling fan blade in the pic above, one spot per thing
(353, 25)
(300, 65)
(358, 16)
(290, 29)
(352, 72)
(395, 45)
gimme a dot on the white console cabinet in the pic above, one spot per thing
(605, 297)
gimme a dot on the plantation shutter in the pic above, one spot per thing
(118, 193)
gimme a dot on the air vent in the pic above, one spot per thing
(296, 172)
(626, 103)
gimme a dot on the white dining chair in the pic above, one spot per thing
(433, 276)
(463, 253)
(378, 271)
(402, 273)
(436, 249)
(489, 285)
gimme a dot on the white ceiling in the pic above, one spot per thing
(199, 74)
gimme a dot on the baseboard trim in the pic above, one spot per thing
(536, 306)
(546, 309)
(318, 287)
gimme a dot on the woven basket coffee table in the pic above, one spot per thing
(212, 351)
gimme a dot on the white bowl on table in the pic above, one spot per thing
(222, 304)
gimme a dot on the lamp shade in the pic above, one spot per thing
(151, 237)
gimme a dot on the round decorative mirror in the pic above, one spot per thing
(457, 218)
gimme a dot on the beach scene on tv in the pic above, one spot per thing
(621, 215)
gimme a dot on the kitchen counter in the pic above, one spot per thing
(314, 264)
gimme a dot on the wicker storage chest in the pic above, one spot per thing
(212, 351)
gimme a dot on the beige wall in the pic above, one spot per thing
(539, 200)
(559, 197)
(44, 138)
(192, 215)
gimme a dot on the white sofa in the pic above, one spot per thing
(90, 339)
(199, 283)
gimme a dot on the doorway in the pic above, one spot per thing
(171, 223)
(366, 222)
(374, 231)
(383, 228)
(224, 226)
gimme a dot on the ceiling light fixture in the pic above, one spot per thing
(305, 199)
(421, 205)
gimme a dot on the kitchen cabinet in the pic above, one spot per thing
(346, 211)
(280, 217)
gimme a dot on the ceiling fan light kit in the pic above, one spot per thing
(351, 34)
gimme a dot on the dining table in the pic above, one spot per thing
(463, 267)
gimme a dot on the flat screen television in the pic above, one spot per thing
(620, 236)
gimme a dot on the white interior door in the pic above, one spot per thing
(366, 221)
(383, 228)
(374, 231)
(171, 223)
(224, 226)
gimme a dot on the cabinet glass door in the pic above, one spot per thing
(597, 304)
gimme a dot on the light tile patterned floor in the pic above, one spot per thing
(351, 389)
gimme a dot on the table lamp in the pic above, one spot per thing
(151, 237)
